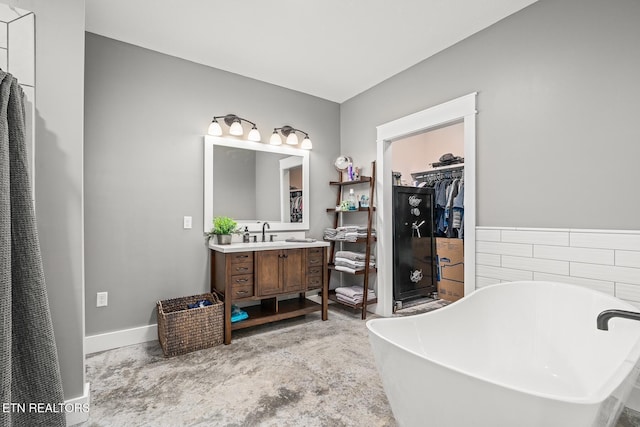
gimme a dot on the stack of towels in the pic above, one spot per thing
(351, 262)
(349, 233)
(353, 294)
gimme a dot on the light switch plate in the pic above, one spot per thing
(102, 299)
(187, 222)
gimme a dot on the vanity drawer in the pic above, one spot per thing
(241, 257)
(239, 292)
(241, 280)
(315, 270)
(314, 282)
(242, 268)
(315, 251)
(314, 260)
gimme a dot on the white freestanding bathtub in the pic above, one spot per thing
(513, 354)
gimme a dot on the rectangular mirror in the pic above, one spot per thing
(253, 182)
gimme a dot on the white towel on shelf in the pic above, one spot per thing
(346, 269)
(353, 291)
(357, 265)
(354, 300)
(355, 256)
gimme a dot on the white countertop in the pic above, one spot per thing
(264, 246)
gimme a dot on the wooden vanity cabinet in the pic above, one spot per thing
(266, 275)
(279, 272)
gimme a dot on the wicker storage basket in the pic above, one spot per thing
(182, 329)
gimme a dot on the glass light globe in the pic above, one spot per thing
(254, 135)
(236, 129)
(292, 139)
(275, 139)
(215, 129)
(306, 143)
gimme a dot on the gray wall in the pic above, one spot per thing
(145, 117)
(58, 173)
(557, 139)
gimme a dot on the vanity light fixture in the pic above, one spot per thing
(292, 138)
(235, 127)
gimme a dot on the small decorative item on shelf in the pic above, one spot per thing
(364, 201)
(223, 228)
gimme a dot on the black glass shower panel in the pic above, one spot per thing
(413, 243)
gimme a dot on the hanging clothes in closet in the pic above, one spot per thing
(448, 186)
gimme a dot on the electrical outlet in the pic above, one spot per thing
(102, 299)
(187, 222)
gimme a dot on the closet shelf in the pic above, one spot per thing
(334, 298)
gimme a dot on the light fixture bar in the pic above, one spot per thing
(235, 127)
(289, 133)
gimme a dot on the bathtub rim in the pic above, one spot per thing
(599, 395)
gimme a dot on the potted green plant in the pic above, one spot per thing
(223, 228)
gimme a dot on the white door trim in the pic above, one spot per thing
(463, 108)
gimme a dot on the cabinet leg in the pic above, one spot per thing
(227, 320)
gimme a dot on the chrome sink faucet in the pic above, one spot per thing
(603, 318)
(266, 224)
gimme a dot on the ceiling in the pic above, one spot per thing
(333, 49)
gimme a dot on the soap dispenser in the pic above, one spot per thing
(245, 235)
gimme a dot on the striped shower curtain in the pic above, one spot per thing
(31, 393)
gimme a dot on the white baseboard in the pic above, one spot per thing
(109, 340)
(81, 404)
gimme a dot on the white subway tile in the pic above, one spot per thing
(628, 259)
(487, 235)
(22, 50)
(605, 272)
(503, 273)
(637, 306)
(630, 242)
(535, 264)
(628, 292)
(481, 282)
(488, 259)
(597, 285)
(559, 238)
(500, 248)
(593, 256)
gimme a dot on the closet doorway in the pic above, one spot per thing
(428, 215)
(460, 110)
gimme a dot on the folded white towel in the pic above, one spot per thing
(346, 269)
(353, 291)
(350, 263)
(355, 256)
(355, 300)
